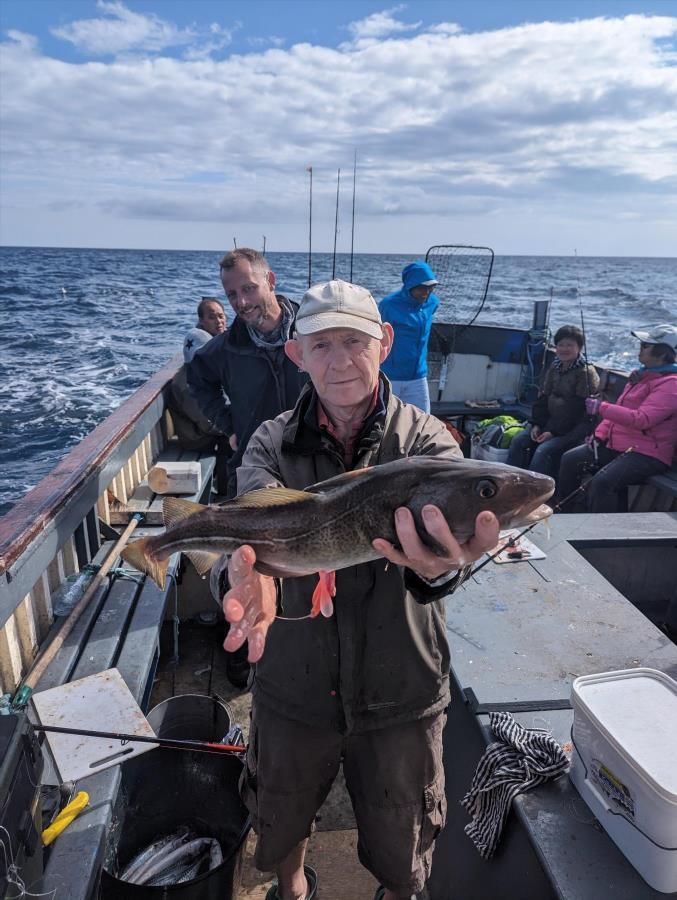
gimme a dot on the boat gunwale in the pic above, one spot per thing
(31, 515)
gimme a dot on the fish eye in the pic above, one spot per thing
(486, 488)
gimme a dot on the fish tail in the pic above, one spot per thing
(139, 554)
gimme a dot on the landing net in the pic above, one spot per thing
(463, 273)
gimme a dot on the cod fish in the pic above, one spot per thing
(330, 525)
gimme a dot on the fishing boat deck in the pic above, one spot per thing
(519, 632)
(522, 632)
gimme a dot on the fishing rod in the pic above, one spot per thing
(310, 228)
(515, 538)
(264, 246)
(585, 356)
(352, 232)
(338, 185)
(167, 743)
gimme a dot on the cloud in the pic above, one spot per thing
(121, 30)
(381, 24)
(538, 123)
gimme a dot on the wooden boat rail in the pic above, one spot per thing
(54, 531)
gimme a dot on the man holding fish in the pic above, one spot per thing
(374, 496)
(368, 686)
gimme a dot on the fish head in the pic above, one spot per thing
(464, 488)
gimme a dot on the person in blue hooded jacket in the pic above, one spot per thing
(410, 311)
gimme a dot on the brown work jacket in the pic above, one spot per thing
(383, 656)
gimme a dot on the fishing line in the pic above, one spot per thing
(591, 419)
(12, 875)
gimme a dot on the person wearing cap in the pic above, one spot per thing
(410, 311)
(193, 430)
(366, 687)
(643, 421)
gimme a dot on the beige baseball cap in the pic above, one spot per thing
(338, 304)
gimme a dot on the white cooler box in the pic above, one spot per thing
(625, 765)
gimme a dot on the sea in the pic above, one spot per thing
(81, 329)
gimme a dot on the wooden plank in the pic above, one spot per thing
(55, 572)
(140, 651)
(92, 527)
(139, 474)
(103, 508)
(118, 488)
(10, 656)
(101, 648)
(42, 604)
(27, 632)
(69, 556)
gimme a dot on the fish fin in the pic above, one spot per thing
(138, 555)
(202, 559)
(175, 510)
(266, 497)
(325, 590)
(339, 480)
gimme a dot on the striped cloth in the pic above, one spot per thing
(521, 759)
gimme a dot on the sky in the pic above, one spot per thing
(530, 127)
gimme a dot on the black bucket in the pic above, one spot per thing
(165, 789)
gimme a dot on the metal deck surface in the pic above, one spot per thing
(524, 632)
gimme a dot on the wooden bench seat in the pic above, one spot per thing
(658, 493)
(121, 628)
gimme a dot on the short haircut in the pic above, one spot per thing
(570, 332)
(202, 305)
(232, 258)
(665, 351)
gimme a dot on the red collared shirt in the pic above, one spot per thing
(326, 424)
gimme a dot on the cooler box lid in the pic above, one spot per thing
(636, 710)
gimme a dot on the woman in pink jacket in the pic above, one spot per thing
(644, 420)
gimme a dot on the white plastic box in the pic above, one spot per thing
(624, 765)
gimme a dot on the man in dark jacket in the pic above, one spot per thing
(243, 377)
(367, 687)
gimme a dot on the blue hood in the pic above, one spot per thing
(417, 273)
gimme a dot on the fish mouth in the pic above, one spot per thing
(541, 512)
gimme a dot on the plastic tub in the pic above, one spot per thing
(164, 789)
(625, 737)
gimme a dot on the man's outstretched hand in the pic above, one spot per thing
(250, 604)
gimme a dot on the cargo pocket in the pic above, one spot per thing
(434, 815)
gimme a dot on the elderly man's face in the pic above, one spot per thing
(213, 318)
(251, 293)
(342, 363)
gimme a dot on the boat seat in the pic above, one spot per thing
(121, 628)
(657, 494)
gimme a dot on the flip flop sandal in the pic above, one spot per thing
(311, 878)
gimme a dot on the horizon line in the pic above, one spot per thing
(572, 255)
